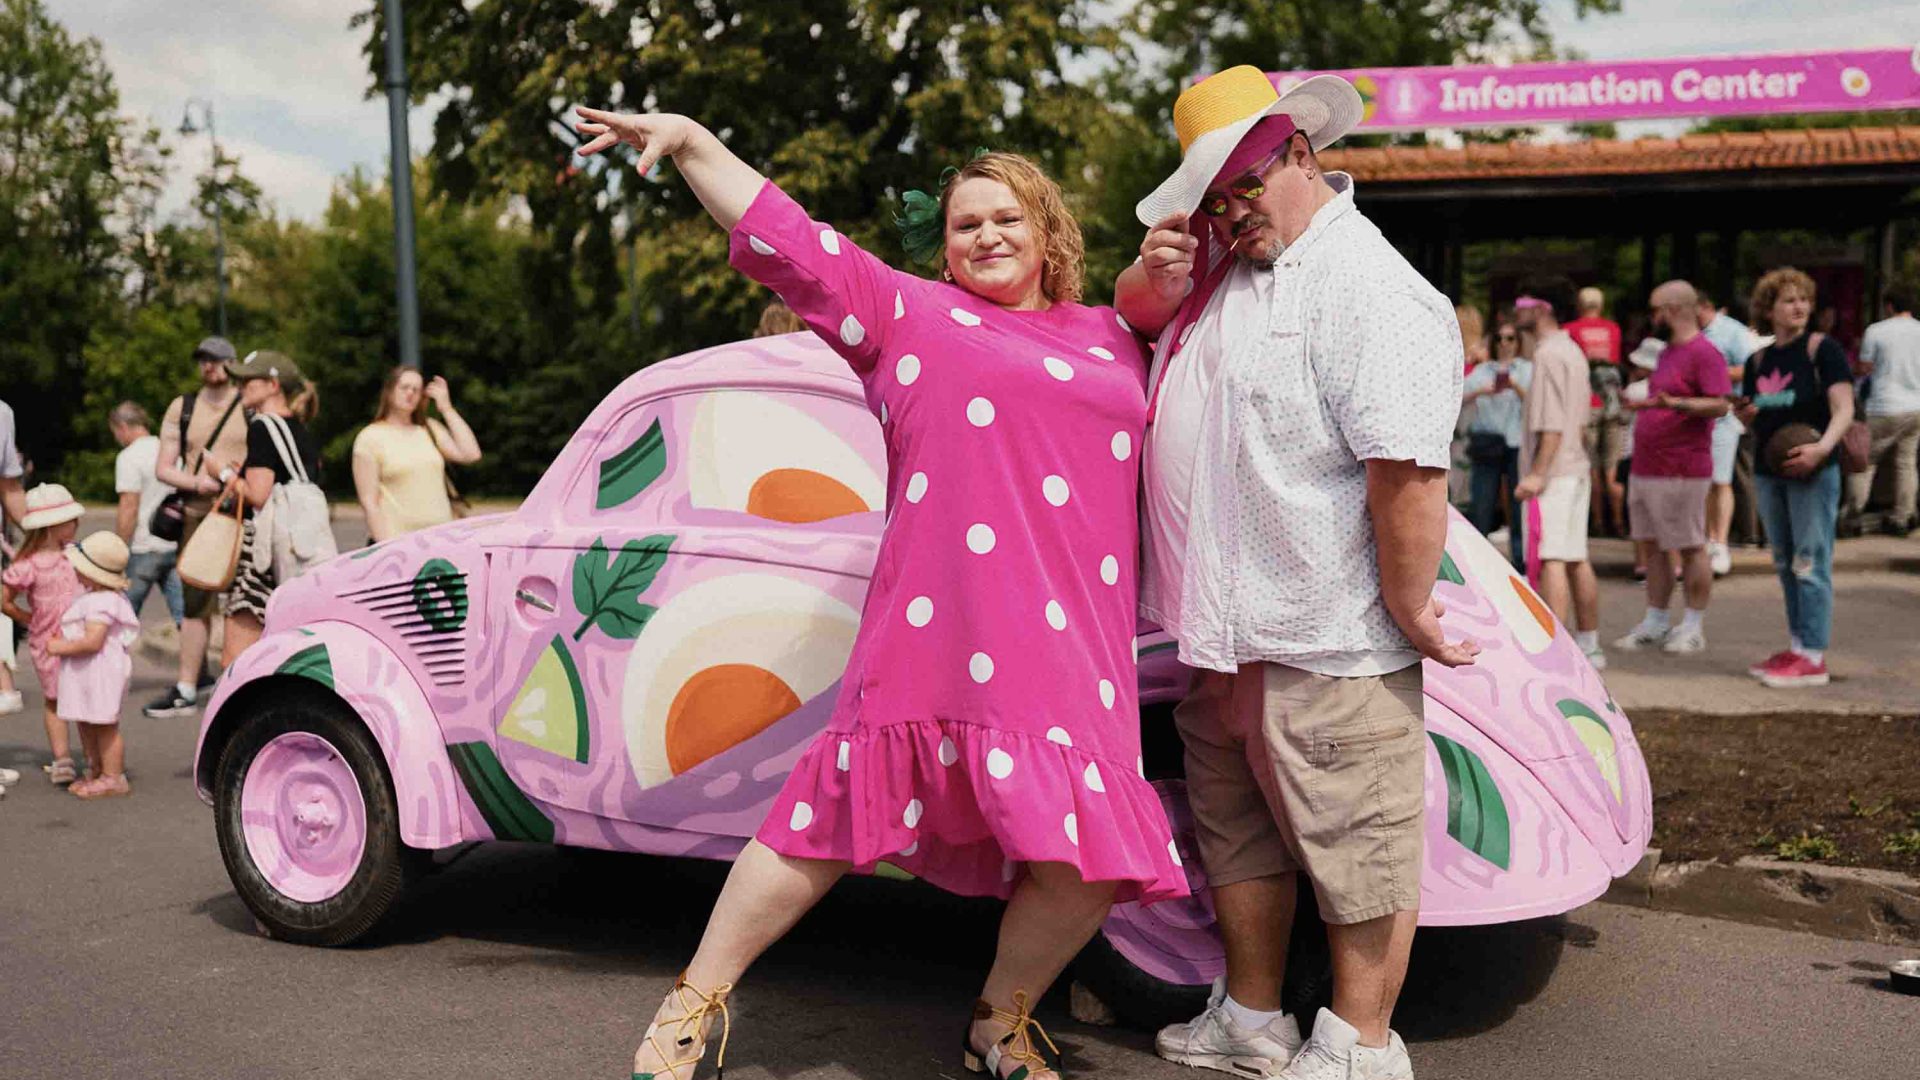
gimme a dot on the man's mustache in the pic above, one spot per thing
(1247, 225)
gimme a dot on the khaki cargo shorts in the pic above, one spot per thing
(1288, 770)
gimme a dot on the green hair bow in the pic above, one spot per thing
(921, 230)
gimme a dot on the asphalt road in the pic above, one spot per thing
(125, 953)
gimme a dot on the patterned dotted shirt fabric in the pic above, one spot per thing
(988, 713)
(1356, 357)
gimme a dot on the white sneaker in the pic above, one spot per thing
(10, 700)
(1683, 640)
(9, 776)
(1721, 559)
(1597, 657)
(1213, 1041)
(1644, 636)
(1334, 1052)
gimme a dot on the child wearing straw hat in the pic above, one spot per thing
(96, 631)
(47, 582)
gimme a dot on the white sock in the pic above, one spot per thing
(1692, 620)
(186, 689)
(1657, 619)
(1588, 640)
(1794, 644)
(1250, 1019)
(1818, 656)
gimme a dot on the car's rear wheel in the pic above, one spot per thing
(307, 823)
(1154, 965)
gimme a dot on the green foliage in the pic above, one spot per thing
(1806, 848)
(1904, 843)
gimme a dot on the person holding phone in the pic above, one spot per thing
(1497, 391)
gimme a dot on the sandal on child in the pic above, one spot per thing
(1016, 1048)
(679, 1040)
(61, 771)
(106, 787)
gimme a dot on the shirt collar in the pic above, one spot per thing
(1323, 219)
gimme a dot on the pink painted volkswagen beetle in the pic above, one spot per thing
(634, 659)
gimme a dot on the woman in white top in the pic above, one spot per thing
(400, 460)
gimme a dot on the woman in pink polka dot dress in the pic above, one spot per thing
(986, 737)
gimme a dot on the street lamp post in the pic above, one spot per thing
(400, 164)
(219, 207)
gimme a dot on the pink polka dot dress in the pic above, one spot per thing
(988, 714)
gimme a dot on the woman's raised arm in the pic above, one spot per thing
(725, 185)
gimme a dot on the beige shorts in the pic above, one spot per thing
(1558, 516)
(1288, 770)
(1671, 511)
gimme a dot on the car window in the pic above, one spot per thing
(735, 456)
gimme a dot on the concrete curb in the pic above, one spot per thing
(1881, 906)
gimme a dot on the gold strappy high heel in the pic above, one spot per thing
(1016, 1045)
(688, 1033)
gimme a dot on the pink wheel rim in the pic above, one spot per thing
(1175, 940)
(303, 817)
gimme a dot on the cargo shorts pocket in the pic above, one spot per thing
(1367, 769)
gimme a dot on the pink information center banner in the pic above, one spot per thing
(1411, 99)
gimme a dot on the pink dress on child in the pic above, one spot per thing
(988, 714)
(47, 581)
(93, 687)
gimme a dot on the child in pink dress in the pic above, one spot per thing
(46, 580)
(95, 667)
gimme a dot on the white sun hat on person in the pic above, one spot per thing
(50, 504)
(1213, 115)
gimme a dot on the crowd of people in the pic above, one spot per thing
(237, 447)
(1561, 436)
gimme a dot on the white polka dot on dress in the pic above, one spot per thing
(883, 412)
(1140, 766)
(1122, 446)
(1058, 368)
(1110, 570)
(910, 849)
(949, 753)
(1104, 354)
(802, 817)
(1055, 489)
(1056, 615)
(999, 764)
(980, 666)
(1122, 322)
(980, 538)
(1173, 852)
(1073, 829)
(1058, 734)
(1106, 693)
(920, 611)
(851, 332)
(899, 305)
(979, 411)
(1093, 778)
(843, 758)
(964, 317)
(912, 815)
(907, 369)
(759, 245)
(916, 487)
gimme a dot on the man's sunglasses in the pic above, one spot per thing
(1248, 188)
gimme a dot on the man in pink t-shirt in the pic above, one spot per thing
(1673, 468)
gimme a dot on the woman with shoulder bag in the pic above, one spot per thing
(280, 451)
(400, 460)
(1797, 399)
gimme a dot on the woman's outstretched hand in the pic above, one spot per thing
(655, 135)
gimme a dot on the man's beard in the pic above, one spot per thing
(1261, 254)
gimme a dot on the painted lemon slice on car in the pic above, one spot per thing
(755, 454)
(1597, 737)
(550, 710)
(722, 661)
(1521, 609)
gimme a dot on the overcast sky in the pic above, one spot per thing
(289, 84)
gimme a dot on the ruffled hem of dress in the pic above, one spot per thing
(963, 805)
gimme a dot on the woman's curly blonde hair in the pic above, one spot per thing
(1766, 293)
(1065, 249)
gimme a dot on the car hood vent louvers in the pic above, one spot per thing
(429, 613)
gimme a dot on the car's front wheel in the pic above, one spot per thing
(307, 822)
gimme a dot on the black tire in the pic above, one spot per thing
(1147, 1002)
(386, 867)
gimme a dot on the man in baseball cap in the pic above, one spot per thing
(1301, 406)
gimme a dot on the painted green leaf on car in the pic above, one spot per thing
(628, 472)
(1449, 571)
(607, 585)
(311, 662)
(440, 595)
(507, 810)
(1476, 813)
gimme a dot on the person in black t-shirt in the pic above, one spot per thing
(1800, 379)
(281, 403)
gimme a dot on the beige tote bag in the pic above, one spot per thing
(209, 558)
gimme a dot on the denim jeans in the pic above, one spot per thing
(1799, 516)
(149, 568)
(1485, 482)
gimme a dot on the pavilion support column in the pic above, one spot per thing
(1729, 257)
(1456, 261)
(1686, 254)
(1649, 248)
(1888, 243)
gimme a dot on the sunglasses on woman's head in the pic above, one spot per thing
(1248, 188)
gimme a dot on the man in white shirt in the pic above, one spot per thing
(140, 490)
(13, 505)
(1890, 355)
(1302, 402)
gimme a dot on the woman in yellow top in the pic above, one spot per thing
(400, 460)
